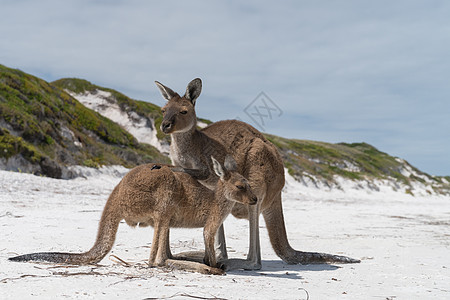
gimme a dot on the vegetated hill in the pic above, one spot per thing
(322, 164)
(43, 130)
(313, 163)
(142, 119)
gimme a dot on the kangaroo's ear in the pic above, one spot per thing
(166, 92)
(193, 90)
(230, 163)
(218, 169)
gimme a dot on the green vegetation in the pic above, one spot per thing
(80, 86)
(34, 114)
(207, 122)
(142, 108)
(353, 161)
(11, 145)
(46, 126)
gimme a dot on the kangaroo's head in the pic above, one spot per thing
(233, 185)
(179, 112)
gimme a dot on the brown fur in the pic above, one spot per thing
(162, 198)
(257, 159)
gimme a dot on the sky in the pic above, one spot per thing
(333, 71)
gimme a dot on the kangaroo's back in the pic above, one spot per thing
(149, 189)
(250, 149)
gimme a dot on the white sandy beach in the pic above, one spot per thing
(403, 242)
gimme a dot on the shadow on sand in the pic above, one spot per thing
(279, 269)
(270, 268)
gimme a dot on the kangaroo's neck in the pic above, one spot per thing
(185, 139)
(219, 193)
(221, 199)
(193, 149)
(186, 147)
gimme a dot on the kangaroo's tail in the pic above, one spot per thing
(105, 240)
(278, 238)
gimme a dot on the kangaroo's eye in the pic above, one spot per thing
(163, 111)
(241, 187)
(183, 112)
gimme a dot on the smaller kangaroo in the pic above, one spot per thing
(157, 196)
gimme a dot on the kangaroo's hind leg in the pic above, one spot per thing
(160, 251)
(155, 242)
(162, 240)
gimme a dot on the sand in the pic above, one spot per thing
(403, 243)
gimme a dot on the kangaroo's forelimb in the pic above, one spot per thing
(197, 174)
(193, 267)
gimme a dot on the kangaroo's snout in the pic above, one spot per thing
(166, 126)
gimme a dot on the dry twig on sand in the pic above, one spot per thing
(186, 295)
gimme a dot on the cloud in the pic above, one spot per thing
(341, 71)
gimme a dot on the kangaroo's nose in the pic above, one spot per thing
(165, 126)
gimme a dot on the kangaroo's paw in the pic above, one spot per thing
(196, 256)
(177, 169)
(193, 267)
(221, 257)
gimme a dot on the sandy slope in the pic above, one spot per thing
(143, 129)
(404, 244)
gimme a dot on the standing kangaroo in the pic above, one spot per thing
(257, 159)
(155, 195)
